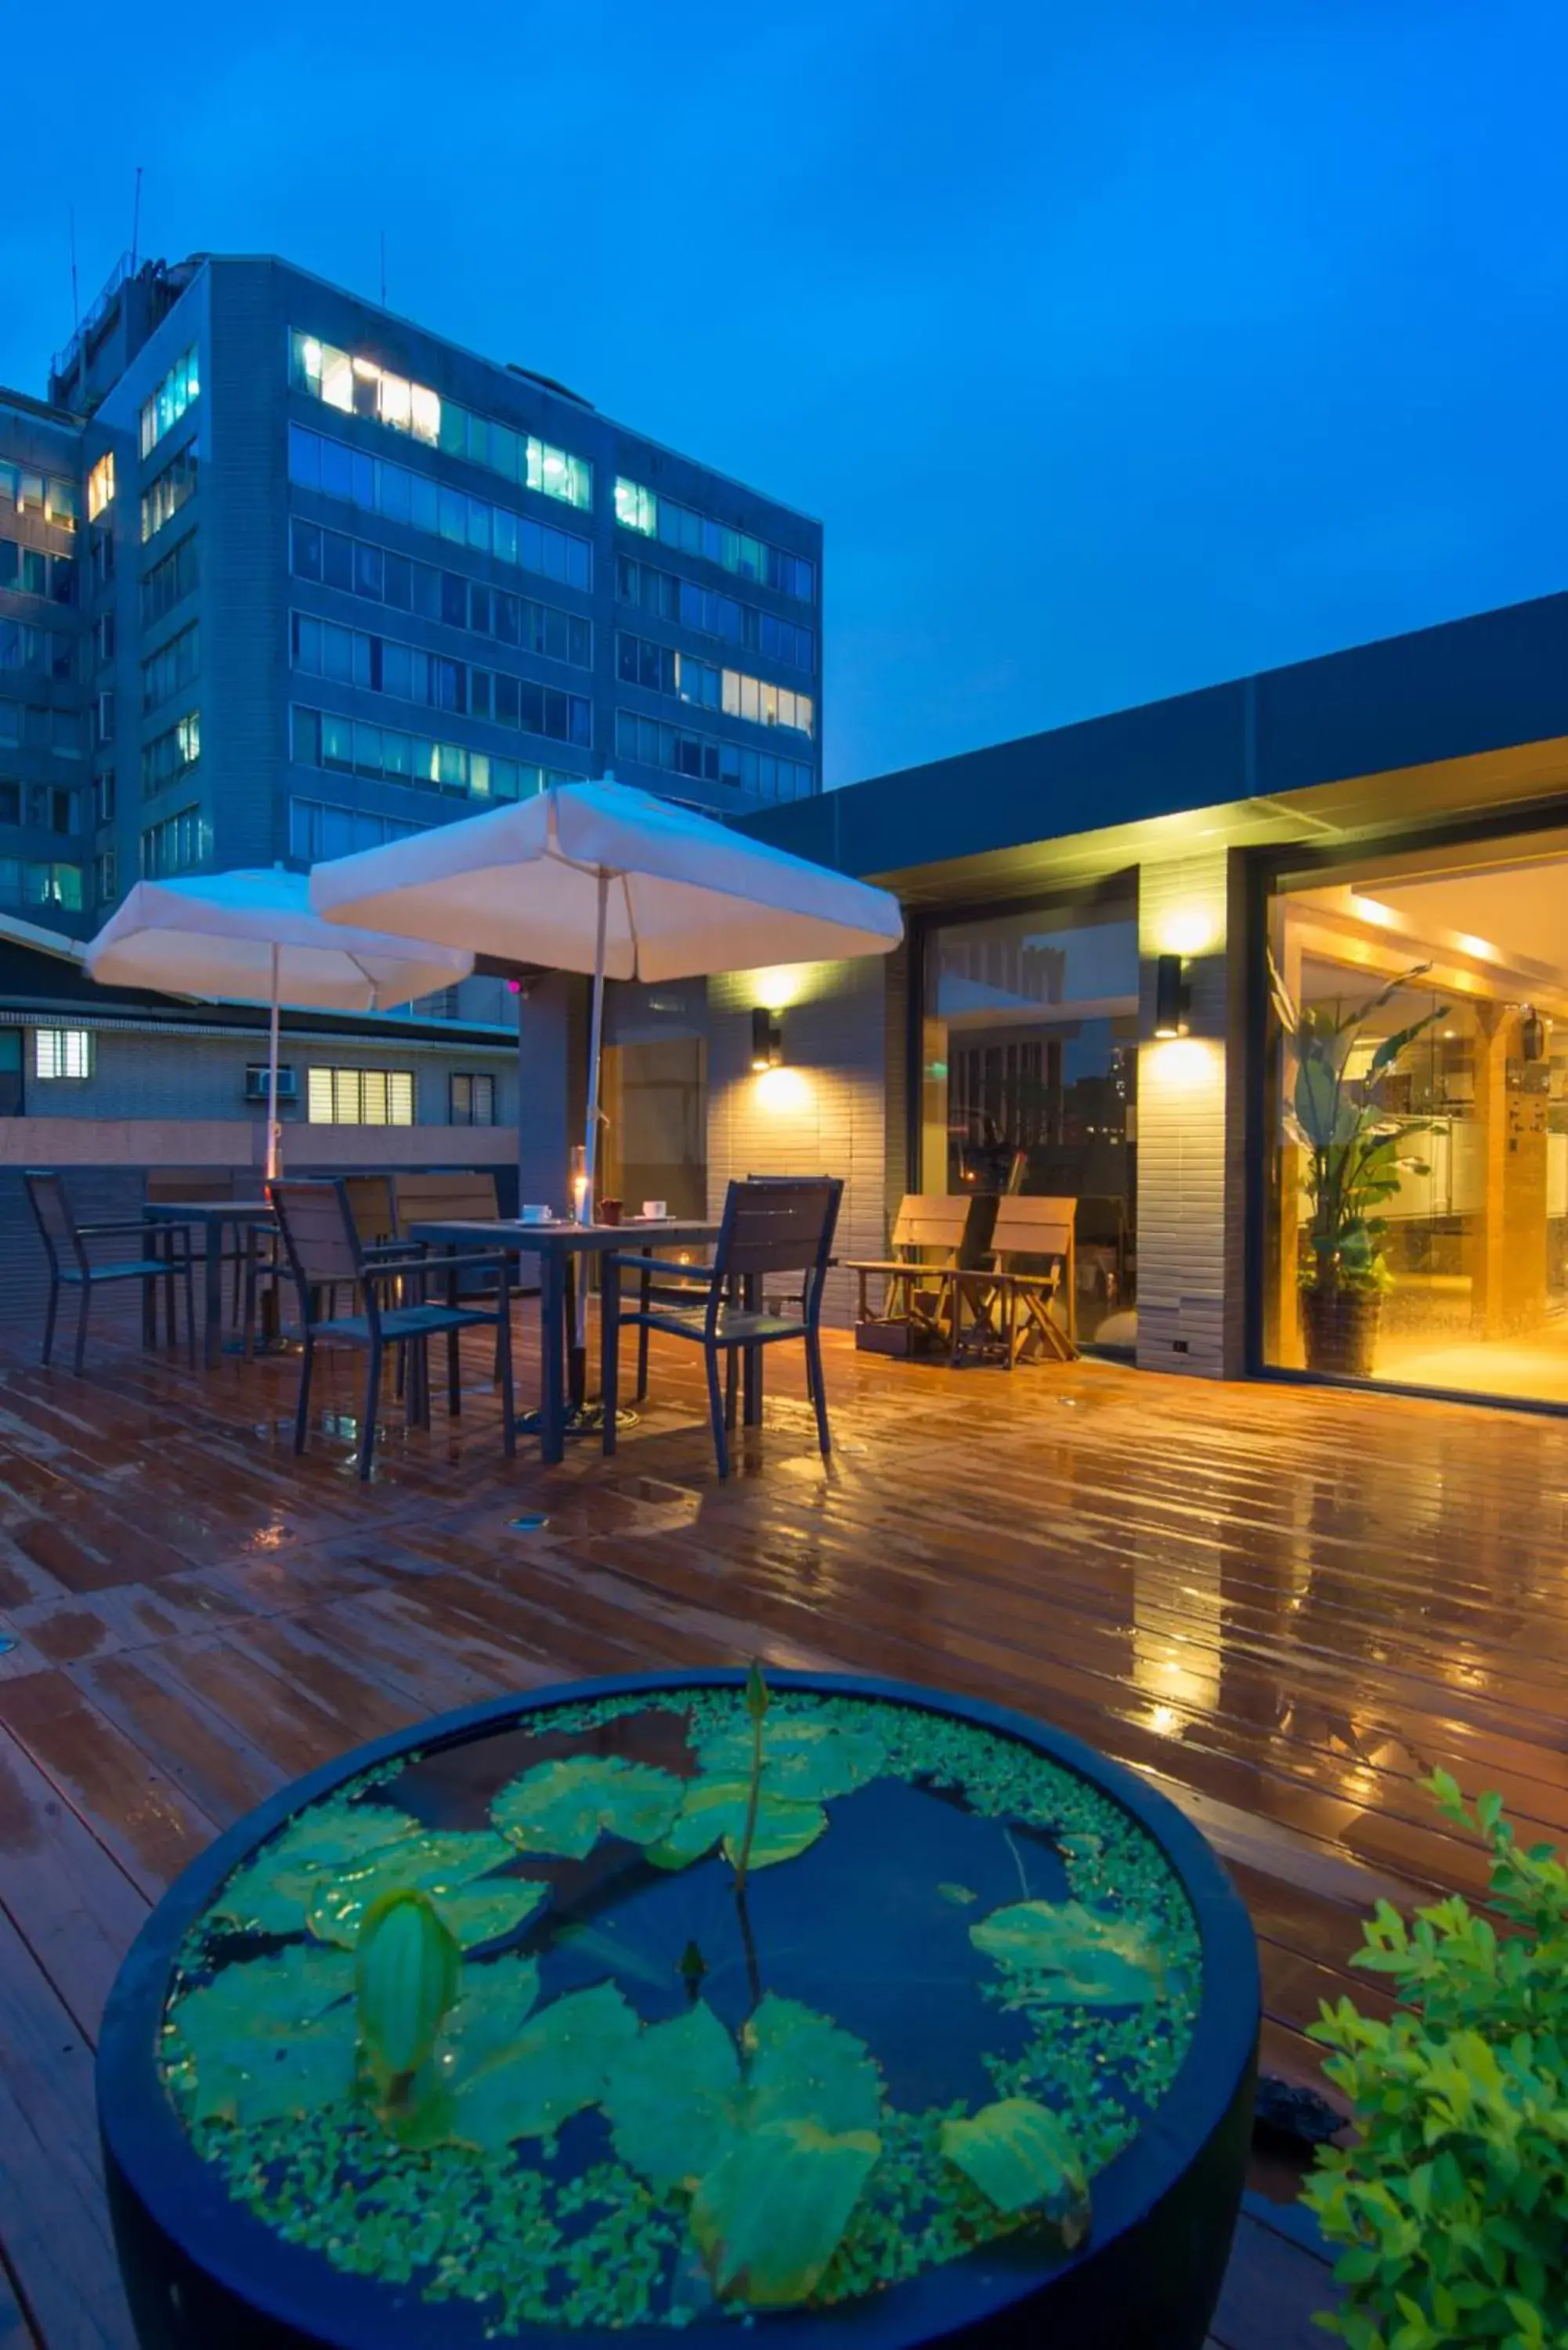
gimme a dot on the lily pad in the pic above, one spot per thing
(272, 1893)
(1061, 1954)
(715, 1812)
(445, 1865)
(1022, 2159)
(800, 2065)
(565, 1807)
(770, 2216)
(671, 2099)
(805, 1761)
(558, 2063)
(269, 2040)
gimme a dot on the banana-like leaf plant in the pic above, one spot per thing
(1355, 1150)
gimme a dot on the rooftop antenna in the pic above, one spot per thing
(76, 305)
(383, 269)
(136, 221)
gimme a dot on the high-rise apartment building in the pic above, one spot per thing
(283, 575)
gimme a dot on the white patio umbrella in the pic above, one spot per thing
(253, 938)
(602, 878)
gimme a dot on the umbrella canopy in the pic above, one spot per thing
(599, 877)
(686, 894)
(253, 938)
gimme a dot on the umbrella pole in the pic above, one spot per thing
(273, 1130)
(590, 1141)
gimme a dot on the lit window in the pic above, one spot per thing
(636, 509)
(62, 1053)
(100, 485)
(168, 404)
(360, 1097)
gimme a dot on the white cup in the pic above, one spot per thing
(655, 1211)
(534, 1216)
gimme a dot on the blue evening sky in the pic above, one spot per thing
(1122, 346)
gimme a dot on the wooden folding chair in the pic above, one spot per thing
(1001, 1311)
(930, 1233)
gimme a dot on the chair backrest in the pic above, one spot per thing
(779, 1226)
(169, 1186)
(317, 1228)
(1030, 1226)
(52, 1213)
(433, 1198)
(372, 1207)
(930, 1221)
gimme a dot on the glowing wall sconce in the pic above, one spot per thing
(1172, 995)
(767, 1039)
(1531, 1033)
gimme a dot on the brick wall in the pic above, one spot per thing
(823, 1112)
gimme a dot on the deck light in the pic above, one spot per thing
(1172, 995)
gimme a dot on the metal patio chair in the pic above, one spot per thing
(776, 1226)
(326, 1254)
(71, 1264)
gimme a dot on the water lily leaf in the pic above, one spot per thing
(715, 1810)
(1022, 2159)
(558, 2063)
(443, 1863)
(802, 2067)
(805, 1761)
(267, 2040)
(494, 2001)
(960, 1894)
(1060, 1953)
(671, 2099)
(770, 2216)
(271, 1894)
(565, 1807)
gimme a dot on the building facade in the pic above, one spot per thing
(1143, 952)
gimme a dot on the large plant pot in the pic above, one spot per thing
(205, 2264)
(1340, 1330)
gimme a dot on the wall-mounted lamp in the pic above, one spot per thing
(767, 1039)
(1531, 1033)
(1172, 995)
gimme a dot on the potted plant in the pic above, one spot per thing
(690, 2004)
(1451, 2206)
(1354, 1154)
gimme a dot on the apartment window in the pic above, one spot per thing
(33, 573)
(60, 503)
(360, 387)
(100, 557)
(176, 845)
(62, 1053)
(10, 803)
(106, 877)
(100, 485)
(646, 742)
(38, 881)
(768, 705)
(103, 640)
(672, 596)
(174, 577)
(378, 573)
(103, 797)
(471, 1101)
(360, 1097)
(169, 403)
(166, 493)
(316, 829)
(48, 652)
(699, 534)
(171, 669)
(663, 670)
(51, 809)
(49, 495)
(102, 720)
(409, 673)
(171, 753)
(346, 746)
(318, 462)
(65, 731)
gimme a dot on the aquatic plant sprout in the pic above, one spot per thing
(685, 2004)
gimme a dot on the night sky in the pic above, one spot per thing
(1121, 348)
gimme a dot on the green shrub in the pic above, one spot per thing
(1452, 2207)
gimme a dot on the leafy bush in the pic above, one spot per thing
(1453, 2204)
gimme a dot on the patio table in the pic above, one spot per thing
(245, 1216)
(557, 1247)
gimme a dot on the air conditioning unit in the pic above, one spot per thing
(256, 1083)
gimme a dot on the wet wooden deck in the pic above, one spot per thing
(1281, 1605)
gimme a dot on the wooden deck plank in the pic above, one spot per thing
(1206, 1582)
